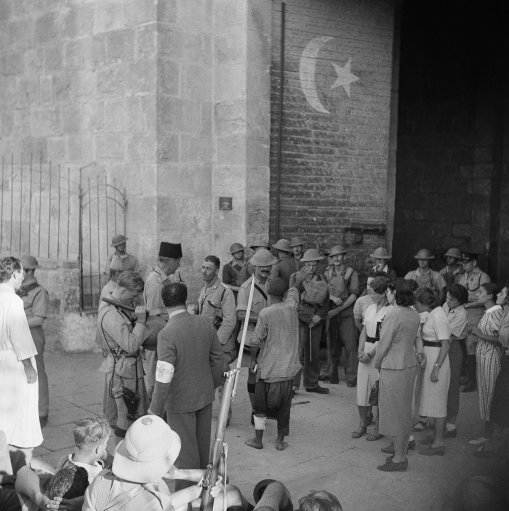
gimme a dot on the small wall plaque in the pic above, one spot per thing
(225, 203)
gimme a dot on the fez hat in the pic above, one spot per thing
(380, 253)
(337, 250)
(453, 252)
(171, 250)
(29, 262)
(424, 254)
(263, 257)
(236, 247)
(296, 242)
(310, 255)
(118, 239)
(282, 245)
(259, 244)
(277, 496)
(147, 452)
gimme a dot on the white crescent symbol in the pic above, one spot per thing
(307, 69)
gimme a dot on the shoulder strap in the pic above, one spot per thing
(261, 291)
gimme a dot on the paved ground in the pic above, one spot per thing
(321, 452)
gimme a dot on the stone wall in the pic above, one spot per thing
(336, 121)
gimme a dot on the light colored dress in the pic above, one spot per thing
(433, 395)
(367, 374)
(19, 412)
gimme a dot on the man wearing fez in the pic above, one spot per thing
(36, 301)
(189, 368)
(285, 266)
(127, 261)
(166, 270)
(235, 272)
(262, 262)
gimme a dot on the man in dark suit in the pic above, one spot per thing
(190, 366)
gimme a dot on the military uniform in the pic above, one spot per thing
(284, 269)
(123, 366)
(451, 273)
(235, 273)
(36, 301)
(126, 261)
(428, 278)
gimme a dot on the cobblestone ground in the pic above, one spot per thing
(321, 453)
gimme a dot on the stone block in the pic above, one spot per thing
(53, 58)
(44, 122)
(140, 11)
(34, 61)
(78, 53)
(168, 148)
(142, 76)
(56, 148)
(93, 115)
(141, 149)
(146, 42)
(230, 117)
(230, 45)
(109, 15)
(110, 145)
(6, 124)
(47, 27)
(75, 148)
(229, 12)
(196, 47)
(192, 15)
(195, 149)
(112, 79)
(120, 45)
(98, 54)
(71, 120)
(12, 64)
(21, 34)
(230, 82)
(170, 41)
(148, 105)
(197, 83)
(231, 150)
(167, 11)
(46, 90)
(78, 20)
(169, 77)
(83, 83)
(115, 115)
(169, 114)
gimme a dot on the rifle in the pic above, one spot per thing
(127, 308)
(219, 450)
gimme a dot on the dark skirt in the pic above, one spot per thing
(500, 404)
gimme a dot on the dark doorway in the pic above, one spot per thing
(452, 185)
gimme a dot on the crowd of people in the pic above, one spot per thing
(409, 344)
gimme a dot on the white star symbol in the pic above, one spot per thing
(345, 76)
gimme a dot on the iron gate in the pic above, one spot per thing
(61, 213)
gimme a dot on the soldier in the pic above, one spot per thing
(36, 301)
(262, 262)
(286, 266)
(297, 245)
(381, 258)
(472, 278)
(166, 270)
(344, 289)
(122, 336)
(235, 272)
(453, 268)
(312, 312)
(128, 261)
(425, 276)
(116, 268)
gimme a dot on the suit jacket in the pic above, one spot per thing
(396, 347)
(190, 344)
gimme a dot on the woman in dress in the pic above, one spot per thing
(367, 374)
(488, 355)
(436, 336)
(19, 394)
(396, 358)
(457, 296)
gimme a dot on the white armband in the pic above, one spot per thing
(164, 371)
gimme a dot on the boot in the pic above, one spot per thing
(334, 375)
(256, 442)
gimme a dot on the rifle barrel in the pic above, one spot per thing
(118, 304)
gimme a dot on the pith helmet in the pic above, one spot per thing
(380, 253)
(236, 247)
(283, 245)
(118, 239)
(310, 255)
(262, 257)
(260, 244)
(424, 254)
(29, 262)
(337, 250)
(453, 252)
(296, 242)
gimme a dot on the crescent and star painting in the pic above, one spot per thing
(307, 73)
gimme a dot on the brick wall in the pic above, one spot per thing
(334, 165)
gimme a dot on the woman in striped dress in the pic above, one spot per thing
(488, 355)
